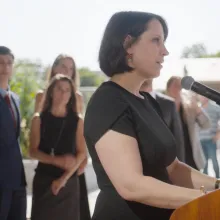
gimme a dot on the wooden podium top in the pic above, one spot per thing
(206, 207)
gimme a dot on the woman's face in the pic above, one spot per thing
(61, 93)
(65, 67)
(149, 51)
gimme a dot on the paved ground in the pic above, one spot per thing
(93, 189)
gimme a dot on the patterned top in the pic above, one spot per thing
(213, 111)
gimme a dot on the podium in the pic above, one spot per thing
(206, 207)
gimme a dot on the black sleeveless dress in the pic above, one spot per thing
(58, 134)
(113, 107)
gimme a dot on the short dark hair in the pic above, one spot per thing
(112, 54)
(171, 80)
(6, 51)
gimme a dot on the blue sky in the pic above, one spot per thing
(41, 29)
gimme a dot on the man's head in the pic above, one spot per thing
(147, 85)
(174, 87)
(6, 63)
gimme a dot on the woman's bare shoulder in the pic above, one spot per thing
(39, 95)
(78, 93)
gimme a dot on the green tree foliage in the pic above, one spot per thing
(26, 81)
(214, 55)
(90, 78)
(198, 51)
(195, 51)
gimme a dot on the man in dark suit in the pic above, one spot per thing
(170, 116)
(12, 176)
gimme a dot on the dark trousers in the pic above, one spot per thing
(13, 204)
(210, 151)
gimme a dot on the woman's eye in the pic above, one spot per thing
(157, 40)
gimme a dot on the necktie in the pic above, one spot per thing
(8, 101)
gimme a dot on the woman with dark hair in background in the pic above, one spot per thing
(65, 64)
(132, 149)
(57, 141)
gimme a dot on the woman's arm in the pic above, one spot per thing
(39, 101)
(79, 99)
(82, 166)
(120, 157)
(64, 162)
(184, 175)
(79, 103)
(80, 157)
(80, 154)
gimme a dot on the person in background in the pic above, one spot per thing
(133, 151)
(65, 64)
(210, 136)
(192, 116)
(170, 116)
(57, 142)
(12, 175)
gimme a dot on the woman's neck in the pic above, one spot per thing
(58, 110)
(129, 81)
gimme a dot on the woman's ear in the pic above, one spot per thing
(127, 44)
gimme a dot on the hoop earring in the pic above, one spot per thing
(129, 57)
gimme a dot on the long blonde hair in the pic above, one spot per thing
(75, 75)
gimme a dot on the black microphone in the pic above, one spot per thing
(189, 83)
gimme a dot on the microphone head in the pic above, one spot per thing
(187, 82)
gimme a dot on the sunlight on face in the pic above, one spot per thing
(61, 93)
(6, 66)
(149, 51)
